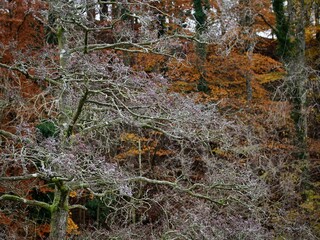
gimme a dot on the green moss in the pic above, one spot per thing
(312, 201)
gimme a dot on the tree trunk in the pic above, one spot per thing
(59, 214)
(283, 21)
(104, 9)
(246, 22)
(201, 47)
(297, 87)
(292, 26)
(317, 20)
(299, 91)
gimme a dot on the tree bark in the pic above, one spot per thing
(297, 69)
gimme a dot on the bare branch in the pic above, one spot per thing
(122, 45)
(78, 112)
(162, 131)
(26, 201)
(77, 206)
(176, 186)
(28, 75)
(12, 136)
(267, 22)
(8, 134)
(23, 177)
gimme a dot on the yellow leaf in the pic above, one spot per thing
(73, 194)
(72, 228)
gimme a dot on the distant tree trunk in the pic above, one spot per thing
(317, 19)
(91, 10)
(104, 11)
(115, 12)
(201, 47)
(290, 31)
(51, 36)
(285, 45)
(59, 213)
(248, 77)
(161, 19)
(300, 77)
(246, 21)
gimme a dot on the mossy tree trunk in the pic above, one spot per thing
(59, 212)
(59, 208)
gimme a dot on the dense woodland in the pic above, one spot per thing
(147, 119)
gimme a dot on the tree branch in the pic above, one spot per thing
(162, 131)
(27, 74)
(20, 178)
(13, 136)
(175, 185)
(122, 45)
(269, 24)
(26, 201)
(8, 134)
(78, 112)
(77, 206)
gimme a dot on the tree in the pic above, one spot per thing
(92, 100)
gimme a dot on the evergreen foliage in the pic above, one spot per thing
(48, 128)
(199, 15)
(285, 43)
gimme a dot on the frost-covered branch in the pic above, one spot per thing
(26, 73)
(177, 187)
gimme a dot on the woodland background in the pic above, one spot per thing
(178, 119)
